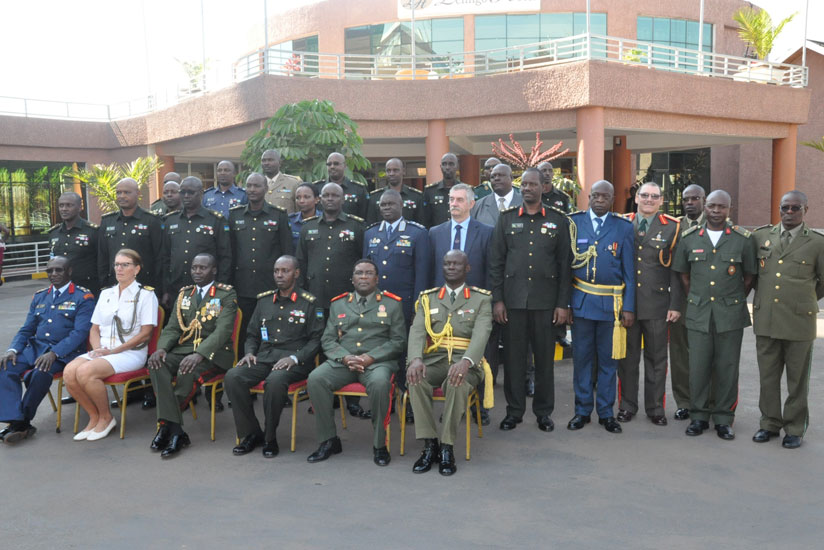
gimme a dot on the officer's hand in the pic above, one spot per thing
(247, 360)
(366, 360)
(352, 363)
(673, 316)
(627, 318)
(189, 363)
(499, 313)
(157, 359)
(44, 362)
(9, 356)
(285, 363)
(415, 372)
(559, 316)
(457, 372)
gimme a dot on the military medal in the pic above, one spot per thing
(731, 270)
(382, 311)
(185, 303)
(762, 262)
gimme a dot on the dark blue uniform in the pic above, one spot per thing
(402, 259)
(594, 315)
(60, 325)
(296, 221)
(222, 201)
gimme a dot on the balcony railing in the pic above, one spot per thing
(581, 47)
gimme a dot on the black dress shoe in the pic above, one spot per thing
(485, 420)
(271, 449)
(624, 416)
(19, 434)
(356, 410)
(565, 343)
(4, 432)
(447, 465)
(381, 456)
(176, 444)
(161, 439)
(610, 424)
(762, 436)
(327, 448)
(68, 400)
(791, 441)
(429, 455)
(578, 422)
(248, 444)
(148, 403)
(682, 414)
(133, 397)
(658, 420)
(530, 387)
(509, 422)
(724, 431)
(697, 427)
(545, 423)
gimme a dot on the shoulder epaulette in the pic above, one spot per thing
(432, 184)
(378, 190)
(147, 287)
(430, 290)
(416, 224)
(371, 225)
(93, 225)
(577, 212)
(151, 213)
(622, 218)
(42, 290)
(167, 214)
(319, 182)
(415, 189)
(224, 286)
(356, 218)
(217, 214)
(481, 290)
(628, 215)
(359, 183)
(688, 231)
(238, 207)
(390, 295)
(276, 207)
(109, 214)
(511, 208)
(306, 296)
(741, 231)
(765, 226)
(558, 210)
(52, 228)
(339, 296)
(266, 293)
(818, 231)
(188, 287)
(670, 218)
(309, 219)
(82, 289)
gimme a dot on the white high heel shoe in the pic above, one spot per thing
(94, 436)
(80, 436)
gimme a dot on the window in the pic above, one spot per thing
(679, 33)
(305, 44)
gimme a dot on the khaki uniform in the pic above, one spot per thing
(281, 191)
(716, 316)
(658, 290)
(785, 307)
(377, 329)
(215, 314)
(471, 318)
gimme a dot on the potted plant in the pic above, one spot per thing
(755, 27)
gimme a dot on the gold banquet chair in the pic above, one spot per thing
(359, 390)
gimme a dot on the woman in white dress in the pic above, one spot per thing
(122, 325)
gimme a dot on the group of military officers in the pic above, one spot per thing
(678, 285)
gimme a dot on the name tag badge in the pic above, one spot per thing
(433, 311)
(264, 333)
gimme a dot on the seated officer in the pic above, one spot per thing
(451, 320)
(364, 337)
(195, 346)
(281, 343)
(55, 332)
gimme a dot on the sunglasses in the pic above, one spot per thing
(790, 207)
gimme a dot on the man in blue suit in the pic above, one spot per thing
(55, 332)
(463, 233)
(603, 304)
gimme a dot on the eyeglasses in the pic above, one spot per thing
(55, 270)
(652, 196)
(123, 265)
(790, 207)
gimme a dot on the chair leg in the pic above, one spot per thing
(214, 396)
(342, 411)
(126, 388)
(294, 418)
(478, 414)
(76, 417)
(403, 420)
(51, 400)
(59, 404)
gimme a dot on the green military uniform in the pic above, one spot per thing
(376, 328)
(556, 199)
(141, 232)
(411, 200)
(716, 316)
(327, 252)
(355, 196)
(785, 307)
(470, 316)
(482, 189)
(281, 326)
(184, 237)
(281, 191)
(658, 291)
(159, 208)
(78, 244)
(435, 204)
(203, 326)
(679, 348)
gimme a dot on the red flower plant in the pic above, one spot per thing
(516, 156)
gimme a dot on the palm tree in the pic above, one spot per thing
(755, 28)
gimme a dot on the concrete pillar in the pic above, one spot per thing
(590, 132)
(469, 42)
(783, 170)
(437, 145)
(621, 171)
(470, 171)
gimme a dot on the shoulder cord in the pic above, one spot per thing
(581, 259)
(118, 324)
(436, 337)
(192, 330)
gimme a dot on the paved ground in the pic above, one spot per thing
(650, 487)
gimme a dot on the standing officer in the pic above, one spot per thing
(453, 320)
(717, 266)
(364, 337)
(280, 187)
(603, 303)
(195, 346)
(76, 239)
(436, 195)
(355, 195)
(55, 332)
(530, 277)
(487, 209)
(790, 283)
(170, 199)
(226, 194)
(282, 342)
(188, 233)
(658, 302)
(307, 199)
(551, 196)
(260, 234)
(134, 228)
(412, 199)
(692, 199)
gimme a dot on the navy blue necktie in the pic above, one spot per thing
(456, 244)
(599, 222)
(388, 232)
(56, 295)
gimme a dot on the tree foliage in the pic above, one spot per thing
(756, 29)
(101, 180)
(304, 134)
(818, 144)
